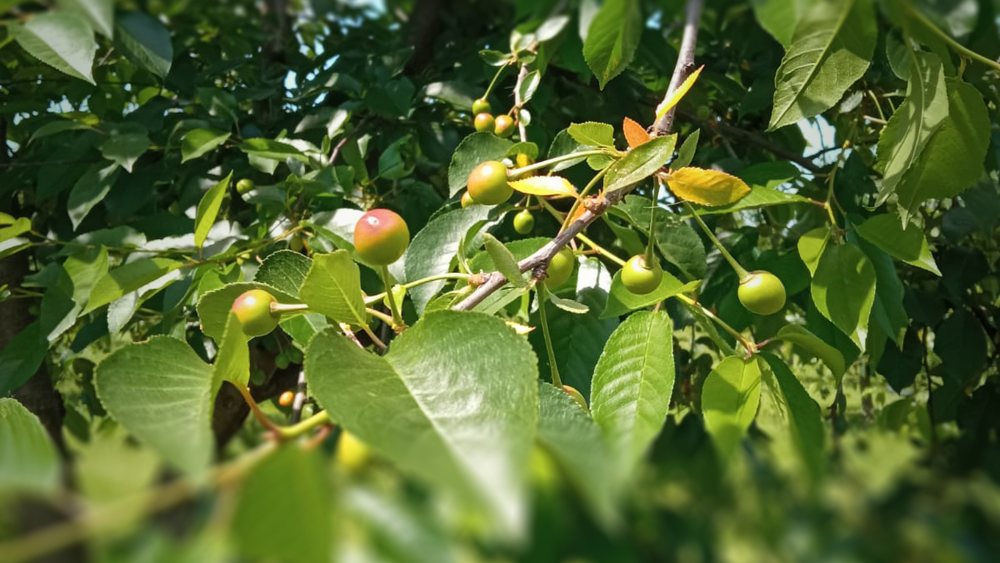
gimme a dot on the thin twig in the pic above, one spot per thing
(685, 62)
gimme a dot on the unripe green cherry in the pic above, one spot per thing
(244, 186)
(762, 293)
(560, 268)
(381, 237)
(253, 309)
(576, 396)
(639, 278)
(484, 122)
(504, 126)
(480, 105)
(524, 221)
(488, 183)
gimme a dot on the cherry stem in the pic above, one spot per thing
(255, 408)
(397, 319)
(741, 272)
(288, 307)
(579, 200)
(601, 250)
(375, 339)
(652, 224)
(540, 290)
(290, 432)
(449, 276)
(746, 342)
(493, 82)
(958, 47)
(557, 159)
(379, 315)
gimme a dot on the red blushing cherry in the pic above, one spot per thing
(381, 237)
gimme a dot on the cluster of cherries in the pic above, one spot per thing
(501, 125)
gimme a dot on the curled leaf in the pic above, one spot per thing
(544, 186)
(707, 187)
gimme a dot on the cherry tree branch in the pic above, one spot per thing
(685, 62)
(539, 261)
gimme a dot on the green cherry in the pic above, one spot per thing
(560, 268)
(484, 122)
(253, 309)
(244, 186)
(504, 126)
(381, 237)
(762, 293)
(488, 183)
(639, 278)
(524, 221)
(481, 106)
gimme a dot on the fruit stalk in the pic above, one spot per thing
(652, 222)
(741, 272)
(549, 350)
(542, 164)
(397, 319)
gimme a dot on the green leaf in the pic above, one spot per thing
(208, 210)
(831, 48)
(612, 39)
(686, 153)
(30, 462)
(124, 149)
(592, 134)
(63, 41)
(100, 14)
(198, 142)
(640, 163)
(494, 58)
(811, 246)
(779, 17)
(214, 306)
(622, 301)
(232, 362)
(575, 442)
(961, 344)
(333, 287)
(633, 383)
(22, 357)
(145, 42)
(529, 85)
(433, 248)
(953, 158)
(729, 401)
(843, 289)
(913, 123)
(439, 407)
(471, 152)
(11, 227)
(830, 356)
(505, 262)
(162, 393)
(908, 245)
(128, 278)
(887, 309)
(272, 149)
(805, 418)
(90, 190)
(292, 481)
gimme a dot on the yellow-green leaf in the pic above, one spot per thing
(678, 94)
(707, 187)
(544, 186)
